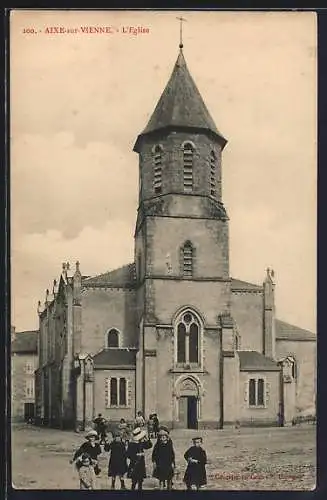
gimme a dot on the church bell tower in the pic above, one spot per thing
(181, 234)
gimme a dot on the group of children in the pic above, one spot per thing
(128, 458)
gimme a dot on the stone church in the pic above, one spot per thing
(173, 332)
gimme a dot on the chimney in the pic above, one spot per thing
(269, 343)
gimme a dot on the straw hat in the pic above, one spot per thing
(138, 434)
(163, 432)
(91, 433)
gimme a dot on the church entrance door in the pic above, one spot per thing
(192, 420)
(188, 412)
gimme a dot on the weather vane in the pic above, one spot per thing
(181, 19)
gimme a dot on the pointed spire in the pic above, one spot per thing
(54, 288)
(181, 106)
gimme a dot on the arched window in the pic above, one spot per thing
(113, 338)
(187, 259)
(194, 343)
(213, 173)
(181, 343)
(188, 339)
(188, 152)
(157, 160)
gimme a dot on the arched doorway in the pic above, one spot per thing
(188, 403)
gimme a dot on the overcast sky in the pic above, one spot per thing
(79, 101)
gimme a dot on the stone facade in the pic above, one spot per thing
(24, 361)
(173, 332)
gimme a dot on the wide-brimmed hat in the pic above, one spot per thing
(138, 434)
(91, 433)
(163, 428)
(197, 438)
(163, 432)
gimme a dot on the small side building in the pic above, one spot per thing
(23, 365)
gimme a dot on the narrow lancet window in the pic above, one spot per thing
(188, 167)
(157, 178)
(213, 174)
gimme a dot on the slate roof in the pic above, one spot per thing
(255, 361)
(115, 358)
(181, 104)
(25, 342)
(285, 331)
(244, 285)
(123, 277)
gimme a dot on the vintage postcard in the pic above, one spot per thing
(163, 249)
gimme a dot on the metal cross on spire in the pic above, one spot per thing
(181, 19)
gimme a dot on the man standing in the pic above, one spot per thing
(100, 427)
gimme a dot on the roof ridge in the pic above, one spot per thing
(295, 328)
(248, 283)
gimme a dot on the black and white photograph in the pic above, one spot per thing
(163, 178)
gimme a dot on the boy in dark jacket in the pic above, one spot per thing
(195, 474)
(92, 448)
(135, 453)
(163, 458)
(118, 460)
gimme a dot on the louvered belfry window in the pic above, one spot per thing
(188, 167)
(157, 158)
(212, 174)
(187, 259)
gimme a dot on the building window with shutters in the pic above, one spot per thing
(256, 392)
(213, 174)
(117, 392)
(188, 340)
(122, 392)
(113, 392)
(157, 164)
(187, 259)
(188, 154)
(29, 388)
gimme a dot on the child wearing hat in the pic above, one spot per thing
(86, 473)
(118, 460)
(163, 458)
(124, 430)
(135, 453)
(155, 421)
(91, 448)
(195, 474)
